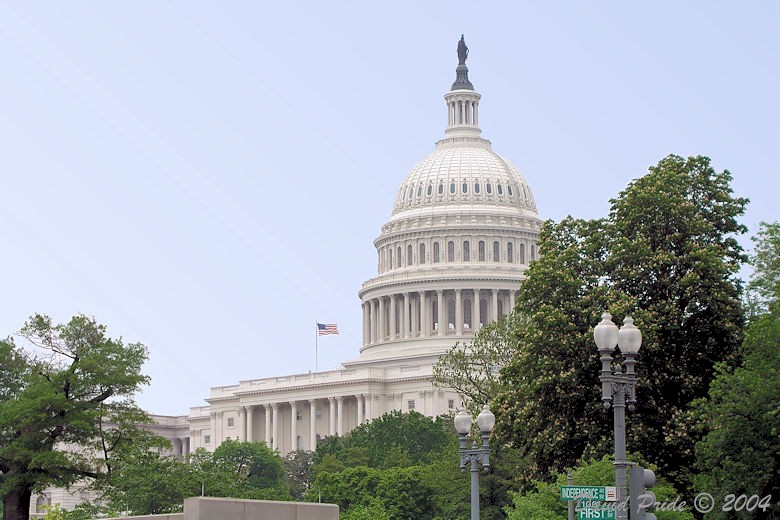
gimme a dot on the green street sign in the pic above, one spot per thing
(605, 493)
(596, 514)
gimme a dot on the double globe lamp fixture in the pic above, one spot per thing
(476, 455)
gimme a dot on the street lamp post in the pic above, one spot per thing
(618, 387)
(475, 455)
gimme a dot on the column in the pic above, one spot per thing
(360, 402)
(176, 447)
(312, 424)
(440, 300)
(366, 328)
(406, 322)
(393, 330)
(494, 310)
(424, 320)
(275, 435)
(293, 426)
(373, 321)
(414, 326)
(220, 429)
(241, 423)
(475, 317)
(186, 441)
(332, 416)
(511, 299)
(340, 416)
(213, 444)
(458, 313)
(250, 437)
(267, 408)
(381, 327)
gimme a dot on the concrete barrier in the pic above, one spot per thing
(213, 508)
(172, 516)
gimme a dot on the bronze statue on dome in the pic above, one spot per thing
(463, 51)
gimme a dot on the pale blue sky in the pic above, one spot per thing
(208, 178)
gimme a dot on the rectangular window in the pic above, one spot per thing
(317, 413)
(231, 422)
(451, 403)
(298, 415)
(207, 439)
(411, 404)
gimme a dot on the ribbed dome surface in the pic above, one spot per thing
(463, 173)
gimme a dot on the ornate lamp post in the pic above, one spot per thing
(618, 387)
(475, 455)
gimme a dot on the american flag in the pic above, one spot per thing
(323, 329)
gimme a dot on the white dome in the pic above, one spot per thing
(463, 172)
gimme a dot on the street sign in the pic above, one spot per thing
(604, 493)
(596, 514)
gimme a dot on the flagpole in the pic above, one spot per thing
(316, 339)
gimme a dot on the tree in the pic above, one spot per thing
(75, 381)
(739, 453)
(297, 466)
(666, 254)
(472, 368)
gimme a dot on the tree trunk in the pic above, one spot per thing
(16, 503)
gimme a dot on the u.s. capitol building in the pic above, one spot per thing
(462, 230)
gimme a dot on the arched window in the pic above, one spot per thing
(481, 250)
(533, 252)
(496, 251)
(500, 189)
(435, 252)
(409, 254)
(489, 188)
(398, 259)
(441, 188)
(450, 315)
(476, 187)
(522, 254)
(452, 187)
(430, 189)
(509, 189)
(467, 323)
(419, 191)
(409, 193)
(466, 251)
(510, 254)
(465, 187)
(450, 251)
(421, 256)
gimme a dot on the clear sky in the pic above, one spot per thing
(208, 178)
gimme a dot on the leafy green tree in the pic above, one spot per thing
(544, 502)
(472, 368)
(297, 466)
(60, 391)
(666, 254)
(740, 453)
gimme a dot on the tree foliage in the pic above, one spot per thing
(740, 453)
(665, 254)
(63, 390)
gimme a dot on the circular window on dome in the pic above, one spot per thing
(489, 188)
(476, 187)
(441, 188)
(509, 190)
(452, 187)
(430, 189)
(465, 187)
(419, 191)
(500, 189)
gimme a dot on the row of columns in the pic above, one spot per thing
(272, 422)
(416, 313)
(463, 112)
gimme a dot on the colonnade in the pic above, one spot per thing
(337, 420)
(432, 313)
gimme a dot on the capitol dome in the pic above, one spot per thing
(462, 231)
